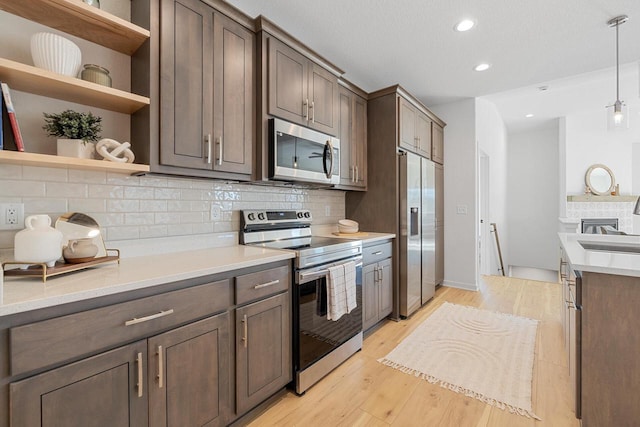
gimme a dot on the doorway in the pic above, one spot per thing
(484, 232)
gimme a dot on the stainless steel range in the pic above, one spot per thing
(319, 344)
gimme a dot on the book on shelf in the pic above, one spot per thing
(12, 120)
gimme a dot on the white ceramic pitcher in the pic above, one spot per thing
(38, 242)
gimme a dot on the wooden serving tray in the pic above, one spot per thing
(357, 234)
(41, 270)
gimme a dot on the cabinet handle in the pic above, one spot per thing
(136, 320)
(305, 104)
(244, 329)
(313, 112)
(209, 147)
(381, 273)
(140, 374)
(352, 173)
(376, 273)
(569, 304)
(357, 173)
(377, 253)
(264, 285)
(219, 143)
(160, 365)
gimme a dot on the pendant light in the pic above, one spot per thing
(618, 118)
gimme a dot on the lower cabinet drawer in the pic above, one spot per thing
(375, 253)
(253, 286)
(56, 340)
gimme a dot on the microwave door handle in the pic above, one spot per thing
(328, 171)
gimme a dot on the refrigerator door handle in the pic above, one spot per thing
(415, 221)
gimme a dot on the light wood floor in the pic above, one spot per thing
(363, 392)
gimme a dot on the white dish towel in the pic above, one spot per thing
(341, 290)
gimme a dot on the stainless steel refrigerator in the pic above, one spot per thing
(417, 232)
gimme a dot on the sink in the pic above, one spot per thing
(629, 248)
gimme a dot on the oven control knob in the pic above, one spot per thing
(251, 216)
(262, 216)
(307, 214)
(300, 214)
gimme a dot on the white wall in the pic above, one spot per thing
(533, 192)
(460, 177)
(491, 135)
(588, 142)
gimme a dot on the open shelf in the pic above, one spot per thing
(46, 83)
(46, 160)
(81, 20)
(596, 198)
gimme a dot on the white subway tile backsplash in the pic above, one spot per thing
(44, 205)
(66, 189)
(88, 206)
(117, 205)
(167, 193)
(153, 205)
(134, 218)
(123, 233)
(34, 173)
(130, 208)
(11, 171)
(106, 191)
(13, 188)
(139, 192)
(147, 231)
(90, 177)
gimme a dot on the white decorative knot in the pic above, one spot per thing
(112, 150)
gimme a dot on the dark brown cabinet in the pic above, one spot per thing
(300, 90)
(377, 288)
(437, 151)
(415, 129)
(263, 350)
(207, 96)
(189, 374)
(179, 370)
(353, 140)
(107, 389)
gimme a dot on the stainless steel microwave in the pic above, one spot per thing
(302, 155)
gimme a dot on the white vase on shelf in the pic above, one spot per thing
(56, 53)
(76, 148)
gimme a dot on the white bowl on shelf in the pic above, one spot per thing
(347, 226)
(55, 53)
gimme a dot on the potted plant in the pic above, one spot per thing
(77, 132)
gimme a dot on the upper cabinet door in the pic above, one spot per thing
(437, 151)
(300, 90)
(323, 95)
(408, 117)
(288, 76)
(347, 168)
(423, 135)
(186, 109)
(233, 96)
(359, 145)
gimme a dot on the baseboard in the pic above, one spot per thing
(460, 285)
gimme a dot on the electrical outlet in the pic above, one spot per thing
(11, 216)
(461, 209)
(327, 210)
(216, 212)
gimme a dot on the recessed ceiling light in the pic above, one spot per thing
(464, 25)
(482, 67)
(528, 116)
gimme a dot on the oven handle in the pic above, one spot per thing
(312, 275)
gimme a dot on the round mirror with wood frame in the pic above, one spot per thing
(599, 180)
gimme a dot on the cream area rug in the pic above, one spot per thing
(480, 353)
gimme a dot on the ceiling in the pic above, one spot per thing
(412, 42)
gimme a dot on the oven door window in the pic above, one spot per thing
(315, 335)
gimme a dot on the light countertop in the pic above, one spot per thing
(24, 294)
(624, 264)
(367, 237)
